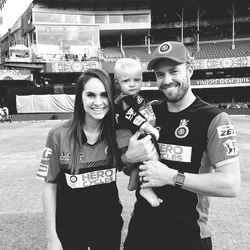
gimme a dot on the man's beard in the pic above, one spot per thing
(176, 97)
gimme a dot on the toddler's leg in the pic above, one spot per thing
(150, 196)
(148, 193)
(133, 179)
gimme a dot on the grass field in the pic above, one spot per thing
(21, 220)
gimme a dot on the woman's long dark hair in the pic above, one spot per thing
(76, 123)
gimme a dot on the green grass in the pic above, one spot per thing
(21, 221)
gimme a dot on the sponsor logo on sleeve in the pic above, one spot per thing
(226, 131)
(116, 118)
(148, 113)
(231, 147)
(44, 165)
(43, 170)
(130, 114)
(175, 152)
(93, 178)
(47, 152)
(135, 117)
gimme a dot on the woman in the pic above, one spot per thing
(79, 165)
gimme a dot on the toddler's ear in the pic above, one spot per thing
(117, 89)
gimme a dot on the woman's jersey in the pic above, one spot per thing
(84, 199)
(195, 140)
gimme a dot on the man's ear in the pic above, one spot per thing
(190, 71)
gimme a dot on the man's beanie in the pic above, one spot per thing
(174, 51)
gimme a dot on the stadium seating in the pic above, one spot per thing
(223, 49)
(208, 50)
(140, 52)
(111, 54)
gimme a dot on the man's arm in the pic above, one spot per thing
(224, 181)
(138, 150)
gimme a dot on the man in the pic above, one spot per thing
(199, 158)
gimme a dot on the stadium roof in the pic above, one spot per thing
(2, 3)
(156, 5)
(213, 8)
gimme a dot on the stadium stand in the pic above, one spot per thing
(208, 50)
(130, 28)
(223, 49)
(140, 52)
(112, 54)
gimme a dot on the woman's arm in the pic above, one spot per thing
(49, 207)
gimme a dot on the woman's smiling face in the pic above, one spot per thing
(95, 100)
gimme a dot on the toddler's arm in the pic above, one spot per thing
(149, 129)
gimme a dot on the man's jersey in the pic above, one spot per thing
(80, 196)
(195, 140)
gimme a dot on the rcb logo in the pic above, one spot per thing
(183, 130)
(165, 47)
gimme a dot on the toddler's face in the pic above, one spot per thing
(130, 80)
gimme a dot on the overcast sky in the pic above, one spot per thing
(12, 10)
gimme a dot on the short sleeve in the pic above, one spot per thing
(222, 145)
(49, 165)
(122, 138)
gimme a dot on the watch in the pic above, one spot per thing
(179, 179)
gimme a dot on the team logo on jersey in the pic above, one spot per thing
(231, 147)
(139, 99)
(226, 131)
(65, 157)
(183, 130)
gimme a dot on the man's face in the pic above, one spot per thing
(173, 79)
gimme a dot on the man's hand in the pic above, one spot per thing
(156, 174)
(139, 149)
